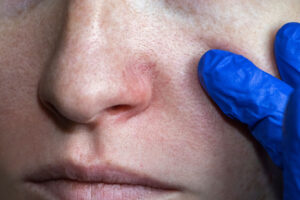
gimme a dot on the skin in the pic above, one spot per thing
(122, 77)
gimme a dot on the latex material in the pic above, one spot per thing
(244, 92)
(248, 94)
(291, 146)
(287, 53)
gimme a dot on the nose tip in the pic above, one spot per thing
(84, 101)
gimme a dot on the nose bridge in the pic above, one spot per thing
(82, 29)
(89, 75)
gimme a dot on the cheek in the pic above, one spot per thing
(192, 141)
(21, 65)
(183, 129)
(187, 130)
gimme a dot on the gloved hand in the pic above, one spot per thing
(269, 106)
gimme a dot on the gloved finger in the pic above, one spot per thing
(291, 146)
(246, 93)
(287, 53)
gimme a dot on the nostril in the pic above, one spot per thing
(120, 108)
(52, 108)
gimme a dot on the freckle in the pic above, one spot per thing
(12, 8)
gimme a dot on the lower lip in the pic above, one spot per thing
(71, 190)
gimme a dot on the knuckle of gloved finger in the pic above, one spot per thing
(287, 53)
(289, 29)
(288, 35)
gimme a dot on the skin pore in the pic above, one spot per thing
(115, 83)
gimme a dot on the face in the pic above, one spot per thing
(101, 100)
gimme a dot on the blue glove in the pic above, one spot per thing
(269, 106)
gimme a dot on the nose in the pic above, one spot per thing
(92, 75)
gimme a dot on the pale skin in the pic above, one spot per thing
(122, 77)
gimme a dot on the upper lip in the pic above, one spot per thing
(94, 174)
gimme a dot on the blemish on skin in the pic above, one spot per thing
(13, 8)
(184, 7)
(140, 70)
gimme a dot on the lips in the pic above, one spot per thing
(67, 181)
